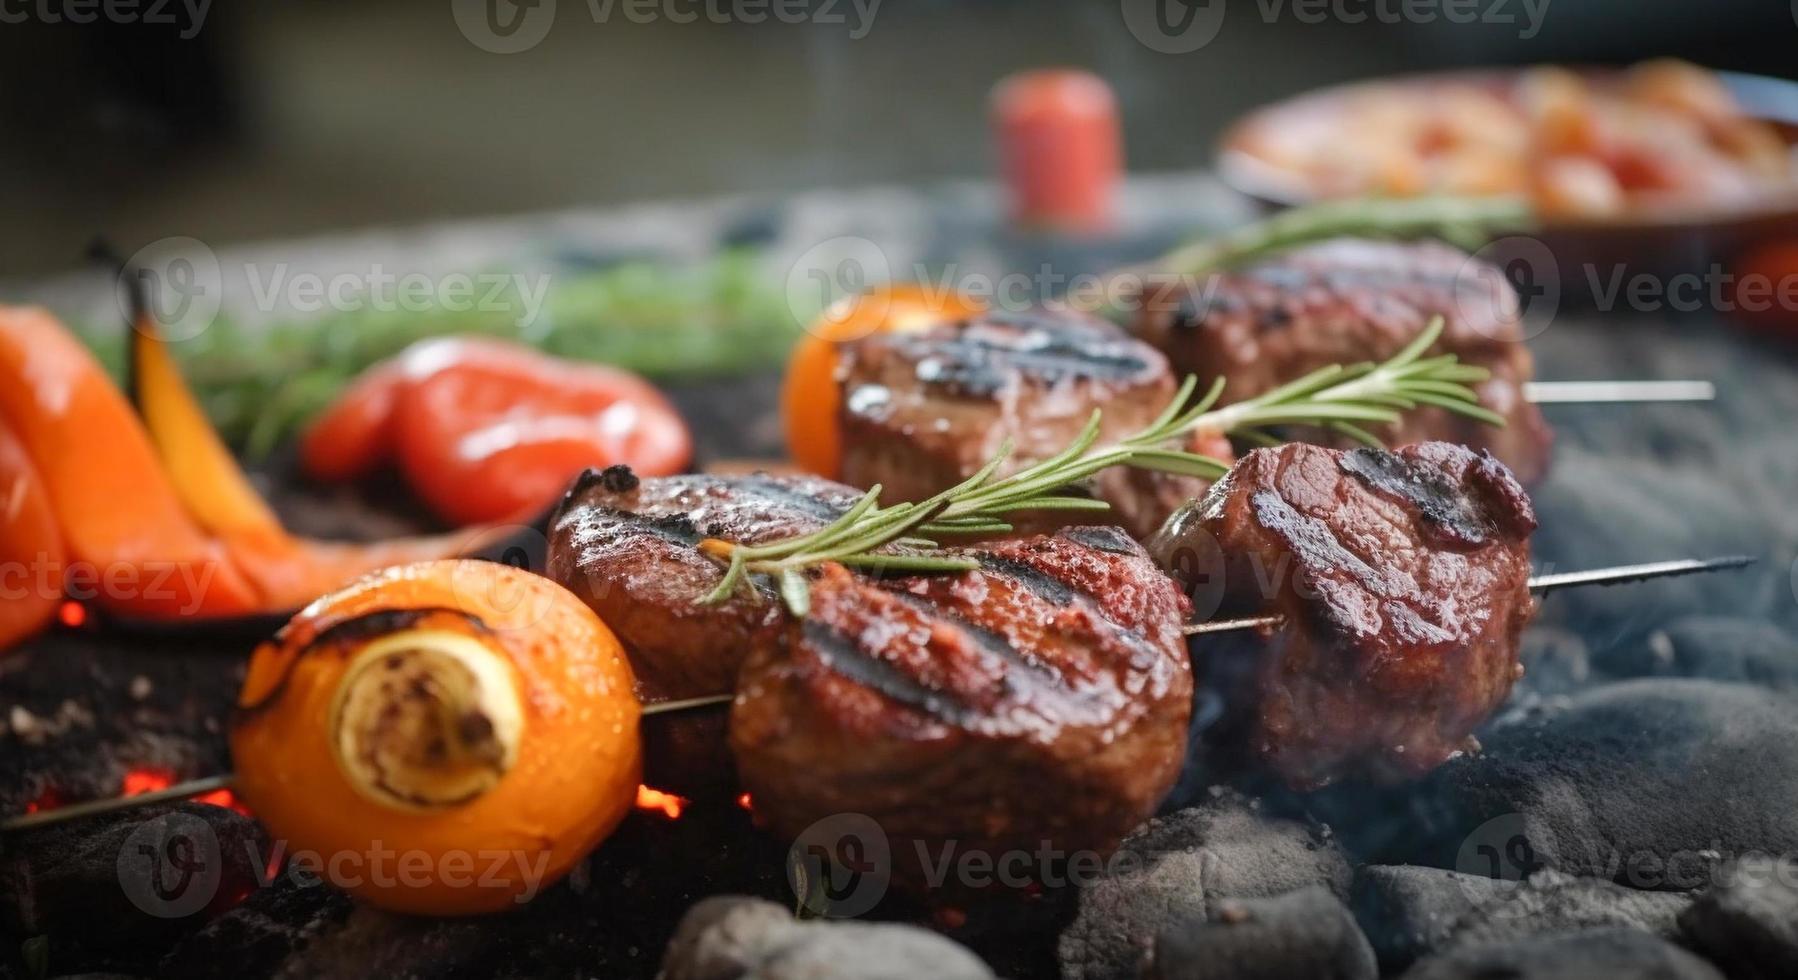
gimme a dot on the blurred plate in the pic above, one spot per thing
(1663, 241)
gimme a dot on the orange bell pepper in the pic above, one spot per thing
(31, 552)
(206, 476)
(121, 518)
(153, 523)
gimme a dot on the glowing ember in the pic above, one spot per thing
(654, 799)
(149, 779)
(140, 781)
(224, 798)
(72, 614)
(49, 799)
(746, 803)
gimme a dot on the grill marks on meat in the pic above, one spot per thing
(1403, 580)
(1044, 697)
(1348, 301)
(629, 550)
(925, 410)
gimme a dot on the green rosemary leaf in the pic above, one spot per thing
(1184, 464)
(1055, 503)
(1358, 434)
(1422, 342)
(796, 592)
(910, 563)
(1472, 410)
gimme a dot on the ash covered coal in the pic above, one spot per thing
(1304, 933)
(1650, 783)
(1188, 866)
(105, 891)
(1569, 956)
(730, 937)
(78, 711)
(1408, 912)
(1749, 923)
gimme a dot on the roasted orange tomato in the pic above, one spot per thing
(810, 395)
(489, 431)
(443, 738)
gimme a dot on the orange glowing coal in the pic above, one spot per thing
(668, 804)
(140, 781)
(72, 614)
(149, 779)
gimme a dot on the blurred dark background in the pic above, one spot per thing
(278, 119)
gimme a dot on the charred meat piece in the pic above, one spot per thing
(1041, 700)
(1349, 301)
(629, 549)
(924, 410)
(1402, 580)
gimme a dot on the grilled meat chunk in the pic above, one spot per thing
(1348, 301)
(629, 549)
(925, 410)
(1402, 580)
(1041, 700)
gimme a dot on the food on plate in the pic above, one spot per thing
(809, 395)
(956, 707)
(1339, 302)
(630, 549)
(1402, 580)
(1060, 148)
(445, 713)
(1663, 136)
(157, 522)
(923, 410)
(487, 430)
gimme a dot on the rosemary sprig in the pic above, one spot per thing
(901, 538)
(1465, 221)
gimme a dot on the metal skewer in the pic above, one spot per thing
(1616, 575)
(1576, 392)
(1540, 583)
(196, 787)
